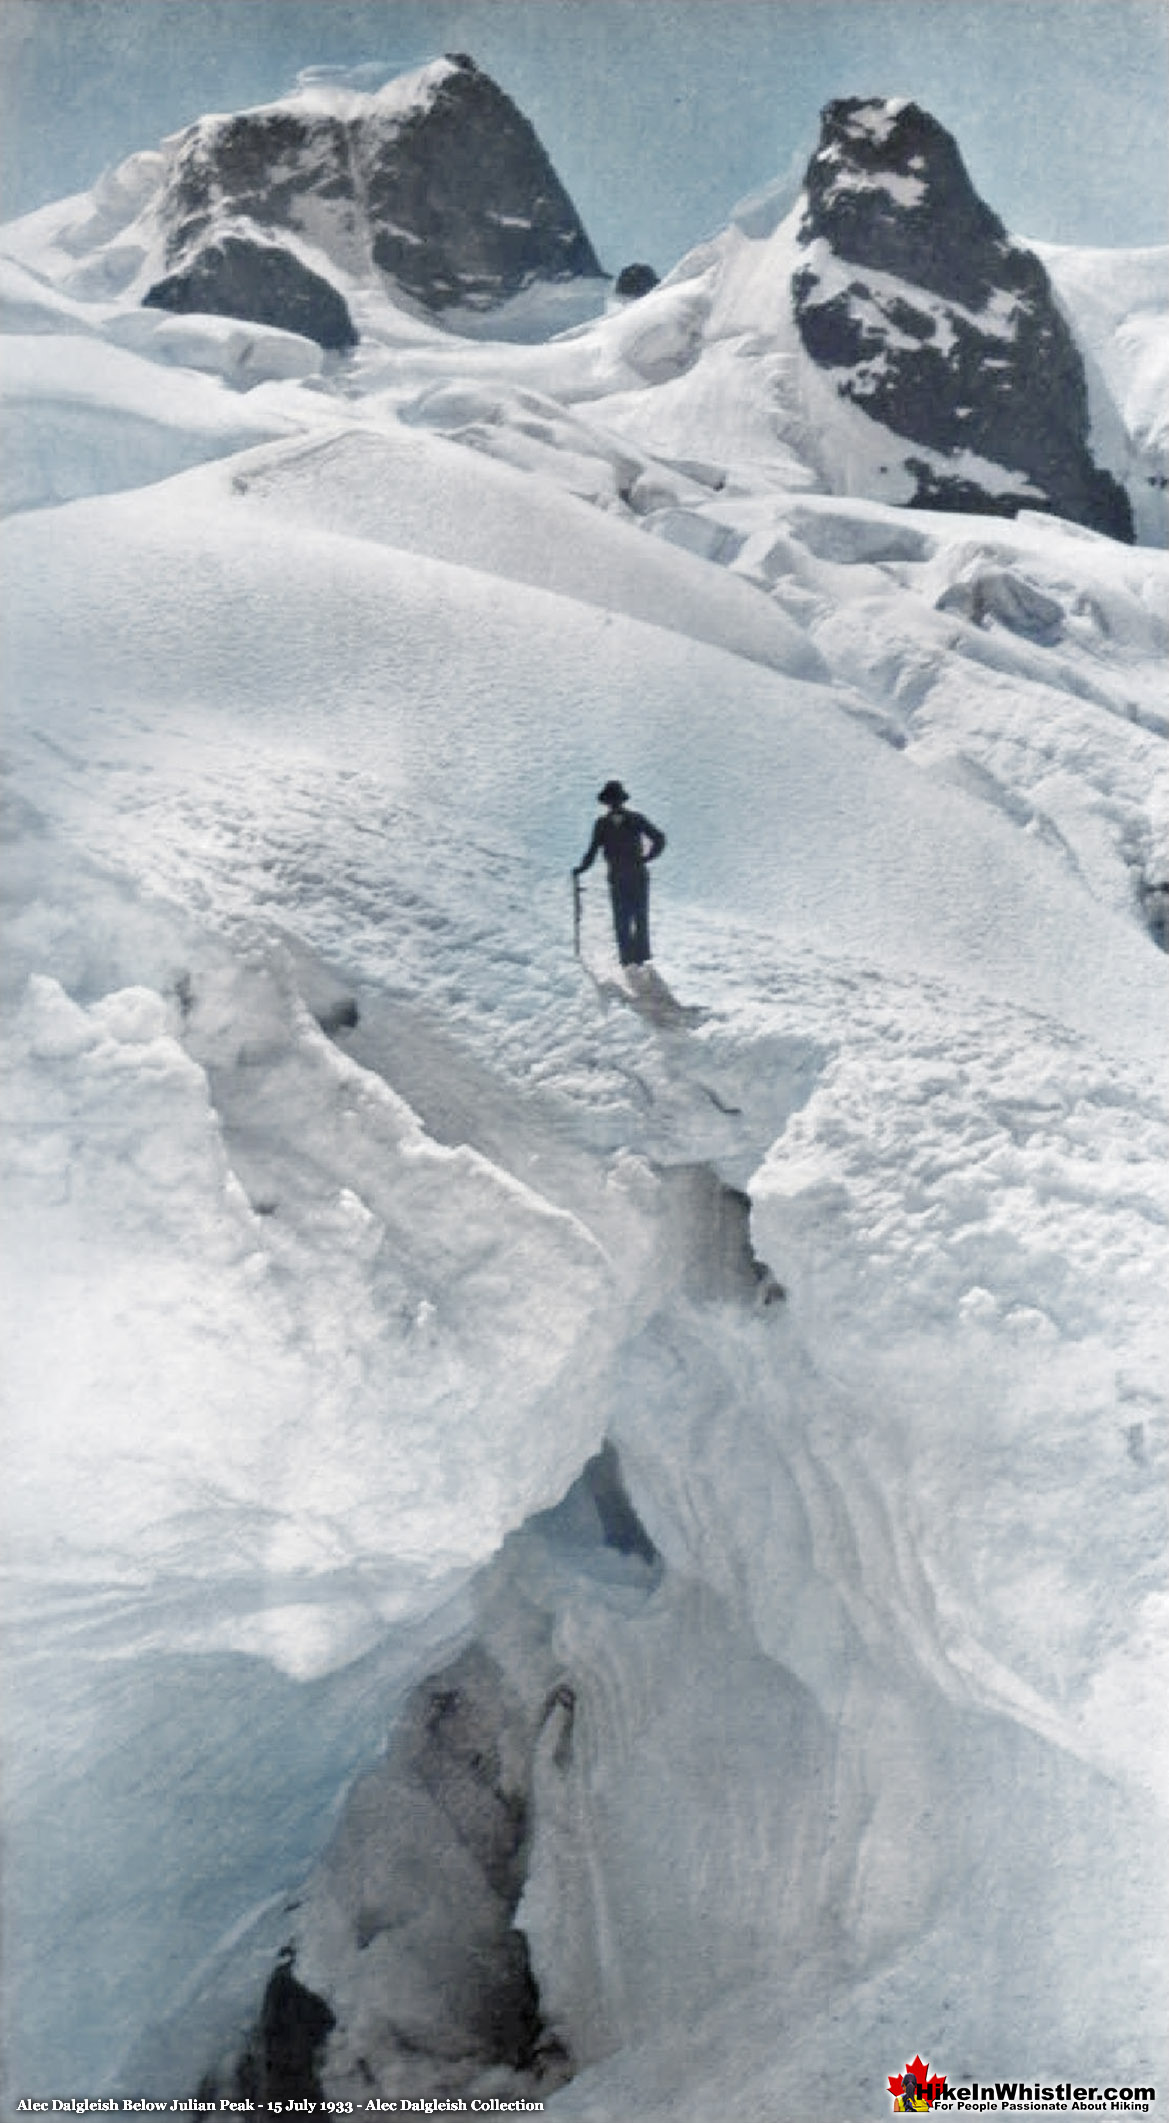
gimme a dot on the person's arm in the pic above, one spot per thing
(594, 851)
(656, 839)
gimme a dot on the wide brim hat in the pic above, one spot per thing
(613, 793)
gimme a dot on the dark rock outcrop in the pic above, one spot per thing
(280, 2062)
(465, 205)
(262, 282)
(887, 188)
(939, 325)
(437, 183)
(635, 280)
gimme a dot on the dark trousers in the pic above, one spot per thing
(630, 896)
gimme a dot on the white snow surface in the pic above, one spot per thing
(1118, 306)
(399, 97)
(84, 417)
(305, 1318)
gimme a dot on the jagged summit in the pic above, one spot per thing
(939, 325)
(898, 343)
(436, 183)
(433, 190)
(888, 188)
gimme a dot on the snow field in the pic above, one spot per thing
(303, 1326)
(283, 831)
(411, 493)
(999, 658)
(84, 417)
(221, 610)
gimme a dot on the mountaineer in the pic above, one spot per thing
(629, 844)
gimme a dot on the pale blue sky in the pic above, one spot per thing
(658, 114)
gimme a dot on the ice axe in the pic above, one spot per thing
(577, 896)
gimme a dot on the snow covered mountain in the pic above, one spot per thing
(951, 339)
(571, 1538)
(435, 188)
(892, 341)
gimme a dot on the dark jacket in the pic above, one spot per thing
(620, 836)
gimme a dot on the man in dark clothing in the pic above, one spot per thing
(622, 837)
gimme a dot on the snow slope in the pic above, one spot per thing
(348, 1216)
(84, 418)
(1118, 302)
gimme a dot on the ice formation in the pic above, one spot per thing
(351, 1221)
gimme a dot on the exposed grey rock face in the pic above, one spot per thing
(466, 206)
(634, 280)
(437, 183)
(939, 325)
(238, 277)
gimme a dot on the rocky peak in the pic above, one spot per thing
(887, 188)
(436, 183)
(469, 177)
(940, 326)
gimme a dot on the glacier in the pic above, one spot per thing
(350, 1220)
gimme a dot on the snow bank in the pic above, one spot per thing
(28, 303)
(232, 1477)
(242, 354)
(174, 1168)
(85, 418)
(400, 489)
(1118, 303)
(926, 1485)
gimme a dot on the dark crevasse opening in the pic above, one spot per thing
(1154, 898)
(719, 1263)
(280, 2061)
(597, 1509)
(404, 1973)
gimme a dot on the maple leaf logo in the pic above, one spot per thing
(914, 2090)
